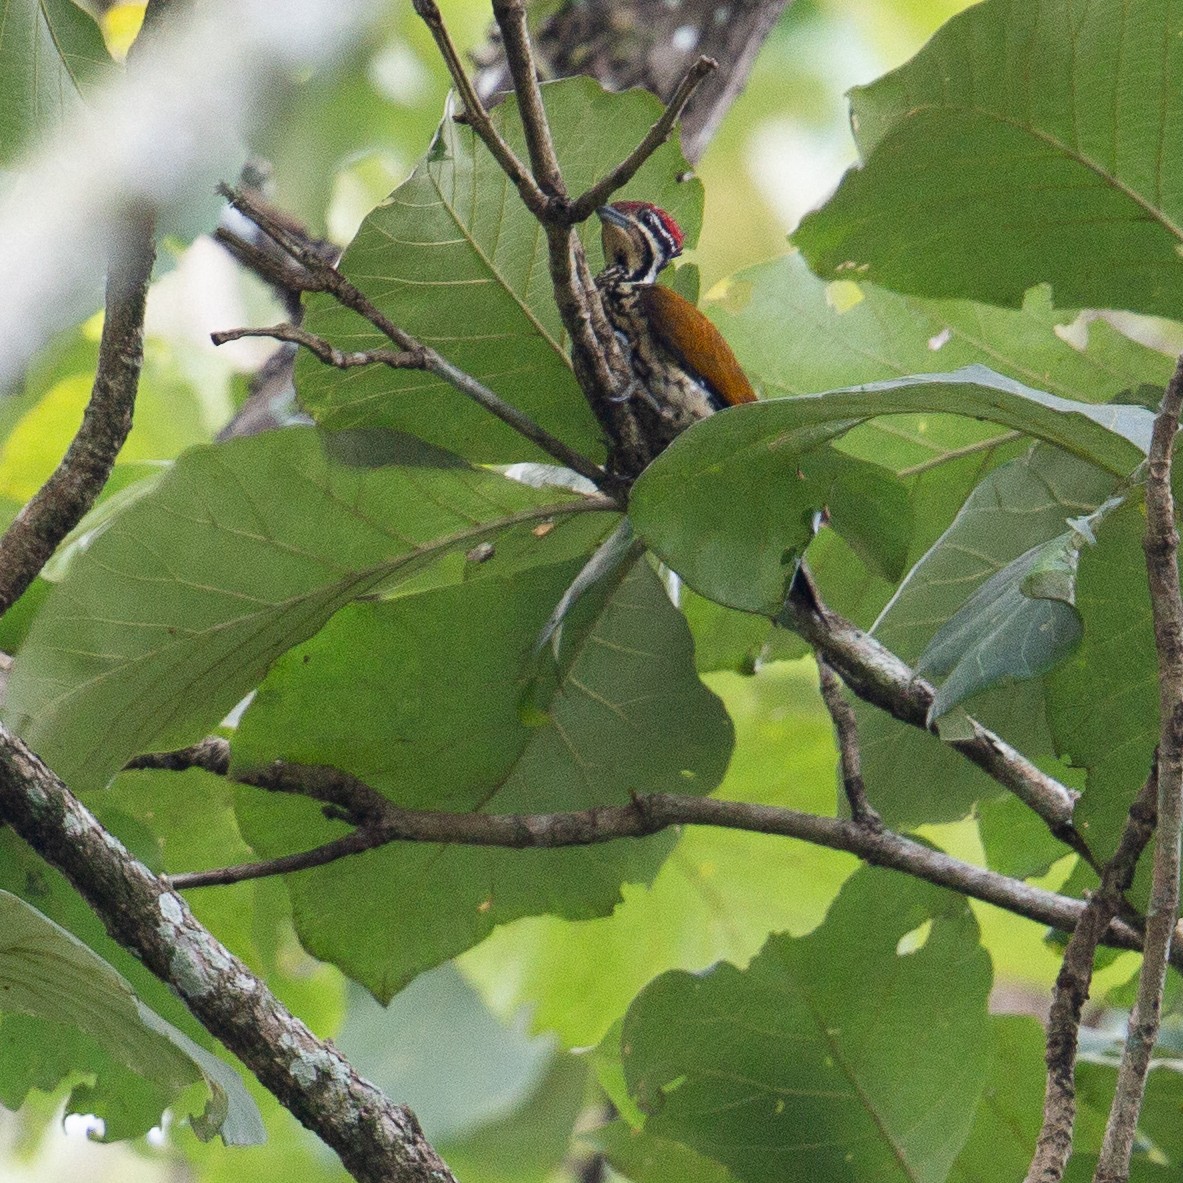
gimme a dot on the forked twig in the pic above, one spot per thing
(476, 116)
(322, 276)
(381, 821)
(878, 676)
(1054, 1144)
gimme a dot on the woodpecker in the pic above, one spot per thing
(684, 368)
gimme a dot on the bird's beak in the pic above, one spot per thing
(612, 216)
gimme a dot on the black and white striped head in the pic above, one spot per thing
(639, 239)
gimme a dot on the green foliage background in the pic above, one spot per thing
(750, 1008)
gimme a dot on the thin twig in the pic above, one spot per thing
(60, 504)
(475, 114)
(403, 359)
(1054, 1145)
(378, 1141)
(386, 822)
(877, 676)
(327, 278)
(1161, 544)
(846, 732)
(585, 204)
(600, 366)
(510, 16)
(279, 270)
(212, 754)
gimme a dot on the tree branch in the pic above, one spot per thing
(1054, 1145)
(650, 44)
(1161, 544)
(510, 16)
(877, 676)
(60, 504)
(585, 204)
(378, 1141)
(405, 359)
(645, 815)
(600, 366)
(846, 733)
(475, 114)
(322, 276)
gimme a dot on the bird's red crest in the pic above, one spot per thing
(667, 220)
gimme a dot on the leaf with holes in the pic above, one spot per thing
(790, 1069)
(239, 552)
(730, 504)
(453, 257)
(1027, 142)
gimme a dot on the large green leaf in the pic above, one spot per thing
(530, 1143)
(55, 990)
(50, 52)
(790, 1070)
(385, 691)
(796, 334)
(719, 893)
(1017, 625)
(1025, 143)
(1006, 1124)
(643, 1158)
(913, 778)
(242, 550)
(730, 504)
(456, 259)
(439, 1047)
(732, 510)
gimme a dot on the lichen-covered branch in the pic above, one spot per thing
(378, 1141)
